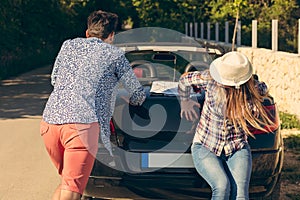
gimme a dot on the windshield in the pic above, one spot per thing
(159, 54)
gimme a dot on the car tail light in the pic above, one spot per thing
(112, 128)
(114, 137)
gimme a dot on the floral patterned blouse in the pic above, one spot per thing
(85, 77)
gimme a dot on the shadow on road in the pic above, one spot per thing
(25, 96)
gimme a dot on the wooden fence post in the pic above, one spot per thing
(239, 34)
(254, 33)
(186, 29)
(208, 30)
(196, 29)
(217, 32)
(226, 32)
(191, 29)
(202, 30)
(274, 35)
(299, 36)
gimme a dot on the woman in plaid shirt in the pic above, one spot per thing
(233, 100)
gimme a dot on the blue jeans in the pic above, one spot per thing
(227, 176)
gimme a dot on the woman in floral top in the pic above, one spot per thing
(85, 76)
(233, 100)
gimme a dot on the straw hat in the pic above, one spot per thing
(232, 69)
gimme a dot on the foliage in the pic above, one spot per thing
(30, 31)
(170, 13)
(33, 30)
(289, 121)
(286, 11)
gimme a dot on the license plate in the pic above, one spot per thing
(167, 160)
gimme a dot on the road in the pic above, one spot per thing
(26, 172)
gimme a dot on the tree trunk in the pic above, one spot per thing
(235, 29)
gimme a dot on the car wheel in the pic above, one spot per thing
(276, 192)
(275, 195)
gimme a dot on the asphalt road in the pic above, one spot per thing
(26, 172)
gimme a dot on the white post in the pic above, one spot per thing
(208, 30)
(299, 36)
(239, 34)
(274, 35)
(254, 33)
(196, 29)
(217, 32)
(186, 29)
(191, 29)
(226, 32)
(202, 30)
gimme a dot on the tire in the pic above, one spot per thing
(275, 195)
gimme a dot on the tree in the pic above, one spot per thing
(170, 13)
(228, 10)
(31, 33)
(285, 12)
(263, 12)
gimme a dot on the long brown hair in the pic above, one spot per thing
(244, 107)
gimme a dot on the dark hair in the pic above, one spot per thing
(101, 24)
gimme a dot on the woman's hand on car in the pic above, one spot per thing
(188, 111)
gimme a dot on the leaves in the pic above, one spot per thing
(32, 28)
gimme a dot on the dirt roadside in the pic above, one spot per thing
(25, 169)
(290, 177)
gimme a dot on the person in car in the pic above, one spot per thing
(85, 75)
(233, 102)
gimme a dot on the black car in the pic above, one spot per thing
(151, 143)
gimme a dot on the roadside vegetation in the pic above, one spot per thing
(289, 121)
(290, 177)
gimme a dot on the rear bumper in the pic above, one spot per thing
(159, 188)
(148, 187)
(106, 182)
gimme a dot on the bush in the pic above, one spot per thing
(289, 121)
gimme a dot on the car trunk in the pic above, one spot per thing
(157, 137)
(154, 126)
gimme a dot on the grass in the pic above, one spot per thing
(289, 121)
(291, 166)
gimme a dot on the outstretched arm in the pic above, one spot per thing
(184, 89)
(130, 82)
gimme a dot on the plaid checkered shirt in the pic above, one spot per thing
(213, 130)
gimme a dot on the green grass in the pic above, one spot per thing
(289, 121)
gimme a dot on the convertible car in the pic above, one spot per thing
(151, 143)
